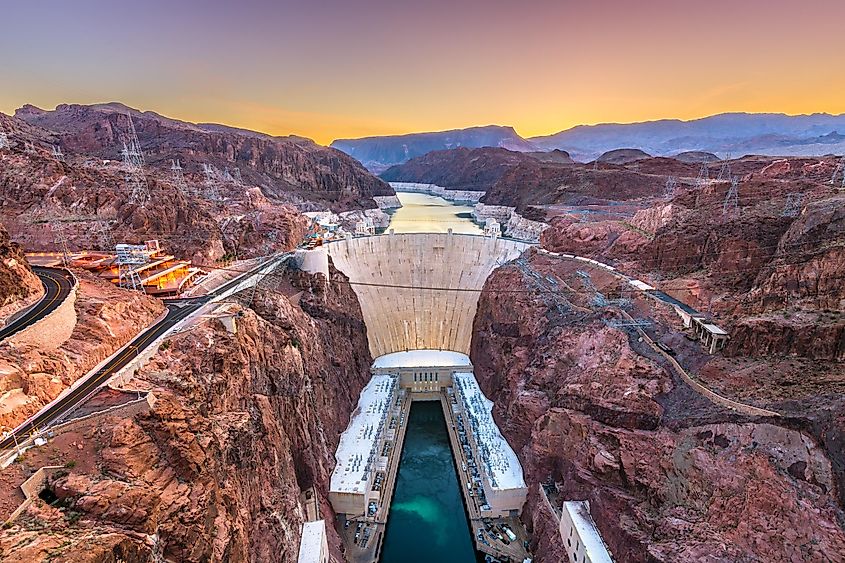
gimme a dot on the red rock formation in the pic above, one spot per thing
(107, 318)
(243, 424)
(669, 476)
(286, 168)
(18, 285)
(87, 195)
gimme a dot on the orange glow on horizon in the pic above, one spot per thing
(333, 70)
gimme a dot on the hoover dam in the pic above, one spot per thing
(419, 291)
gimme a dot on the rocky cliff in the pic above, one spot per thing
(669, 475)
(242, 425)
(19, 287)
(107, 318)
(89, 197)
(290, 169)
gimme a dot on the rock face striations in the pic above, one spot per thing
(669, 475)
(242, 424)
(290, 169)
(205, 221)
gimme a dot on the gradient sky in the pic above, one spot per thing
(327, 69)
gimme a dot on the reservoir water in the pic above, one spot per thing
(423, 213)
(427, 520)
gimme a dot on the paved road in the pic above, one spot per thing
(57, 286)
(178, 309)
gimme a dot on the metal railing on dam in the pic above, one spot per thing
(420, 291)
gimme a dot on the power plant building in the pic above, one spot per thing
(501, 474)
(359, 452)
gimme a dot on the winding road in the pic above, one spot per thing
(178, 310)
(57, 284)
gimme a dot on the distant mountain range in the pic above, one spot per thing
(379, 153)
(772, 134)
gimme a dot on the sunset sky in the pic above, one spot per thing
(327, 69)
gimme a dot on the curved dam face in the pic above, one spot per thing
(416, 318)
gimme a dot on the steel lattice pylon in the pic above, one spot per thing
(731, 203)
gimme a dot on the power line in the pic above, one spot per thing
(792, 207)
(731, 203)
(133, 163)
(725, 170)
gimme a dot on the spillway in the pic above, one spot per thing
(398, 280)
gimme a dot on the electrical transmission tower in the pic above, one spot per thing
(60, 239)
(4, 141)
(671, 187)
(129, 257)
(731, 203)
(703, 176)
(57, 153)
(106, 241)
(133, 163)
(725, 170)
(178, 176)
(792, 207)
(227, 177)
(838, 171)
(211, 192)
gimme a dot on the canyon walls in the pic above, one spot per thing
(242, 425)
(669, 475)
(19, 286)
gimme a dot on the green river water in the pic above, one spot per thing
(427, 520)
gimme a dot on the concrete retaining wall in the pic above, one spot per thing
(32, 486)
(53, 330)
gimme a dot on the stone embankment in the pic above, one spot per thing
(458, 196)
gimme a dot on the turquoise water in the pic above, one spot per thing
(423, 213)
(427, 520)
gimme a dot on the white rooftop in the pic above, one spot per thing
(312, 541)
(422, 358)
(579, 512)
(356, 453)
(640, 285)
(713, 329)
(499, 459)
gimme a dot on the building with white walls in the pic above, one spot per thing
(500, 471)
(580, 536)
(313, 546)
(359, 453)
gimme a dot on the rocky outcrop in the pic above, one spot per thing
(32, 375)
(19, 286)
(289, 169)
(242, 425)
(669, 476)
(623, 156)
(458, 169)
(89, 196)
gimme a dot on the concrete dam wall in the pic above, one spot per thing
(399, 318)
